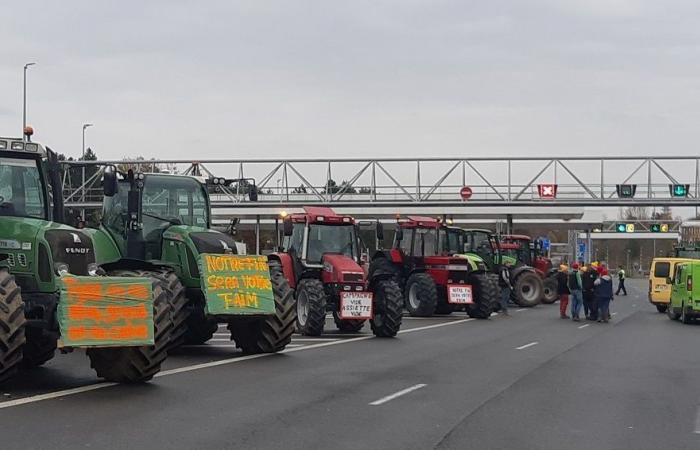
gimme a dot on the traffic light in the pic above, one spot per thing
(621, 228)
(679, 190)
(655, 228)
(664, 228)
(626, 190)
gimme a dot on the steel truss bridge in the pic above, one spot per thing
(385, 186)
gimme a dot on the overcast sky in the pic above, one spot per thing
(359, 78)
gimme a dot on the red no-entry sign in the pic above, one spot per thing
(465, 193)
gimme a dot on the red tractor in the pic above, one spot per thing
(321, 259)
(433, 280)
(529, 254)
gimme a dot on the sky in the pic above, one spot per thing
(239, 79)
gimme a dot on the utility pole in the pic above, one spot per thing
(24, 100)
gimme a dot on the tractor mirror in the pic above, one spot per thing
(399, 234)
(253, 193)
(364, 256)
(380, 231)
(287, 227)
(110, 184)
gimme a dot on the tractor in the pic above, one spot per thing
(322, 258)
(160, 224)
(38, 254)
(433, 281)
(528, 260)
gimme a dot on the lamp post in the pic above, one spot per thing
(24, 100)
(85, 127)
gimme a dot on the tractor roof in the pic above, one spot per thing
(420, 221)
(516, 237)
(478, 230)
(16, 145)
(320, 214)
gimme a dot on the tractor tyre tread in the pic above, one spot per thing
(12, 326)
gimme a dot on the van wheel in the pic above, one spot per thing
(671, 314)
(685, 318)
(661, 308)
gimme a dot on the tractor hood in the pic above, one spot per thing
(204, 240)
(476, 262)
(341, 269)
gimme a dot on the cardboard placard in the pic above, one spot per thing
(460, 294)
(105, 311)
(236, 284)
(355, 305)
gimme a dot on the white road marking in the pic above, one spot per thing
(391, 397)
(526, 345)
(613, 314)
(222, 334)
(584, 326)
(294, 345)
(521, 309)
(697, 422)
(448, 319)
(317, 339)
(222, 362)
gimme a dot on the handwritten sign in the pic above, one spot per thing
(236, 284)
(460, 294)
(355, 305)
(105, 311)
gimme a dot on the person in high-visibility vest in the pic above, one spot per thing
(621, 281)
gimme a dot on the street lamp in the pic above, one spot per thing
(85, 127)
(24, 100)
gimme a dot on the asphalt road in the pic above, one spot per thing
(530, 381)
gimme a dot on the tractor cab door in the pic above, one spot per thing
(294, 245)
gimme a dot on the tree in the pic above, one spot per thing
(301, 189)
(366, 190)
(331, 187)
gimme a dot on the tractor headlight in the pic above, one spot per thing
(62, 268)
(92, 269)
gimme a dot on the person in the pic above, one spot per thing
(506, 287)
(575, 286)
(563, 290)
(621, 281)
(589, 305)
(603, 294)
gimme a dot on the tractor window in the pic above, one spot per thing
(451, 242)
(174, 199)
(405, 244)
(338, 239)
(21, 188)
(295, 240)
(426, 242)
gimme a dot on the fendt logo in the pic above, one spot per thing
(76, 238)
(79, 251)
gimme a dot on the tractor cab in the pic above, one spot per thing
(485, 245)
(517, 248)
(689, 250)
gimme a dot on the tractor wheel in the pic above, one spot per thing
(383, 265)
(348, 325)
(661, 308)
(484, 296)
(527, 289)
(199, 328)
(311, 307)
(272, 333)
(550, 294)
(493, 279)
(40, 347)
(178, 306)
(421, 295)
(12, 321)
(388, 306)
(138, 364)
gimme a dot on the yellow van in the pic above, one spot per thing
(661, 280)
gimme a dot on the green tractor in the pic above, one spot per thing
(160, 224)
(37, 254)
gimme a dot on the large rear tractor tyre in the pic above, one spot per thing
(421, 295)
(40, 348)
(310, 307)
(272, 333)
(527, 289)
(388, 308)
(493, 279)
(549, 294)
(661, 308)
(12, 321)
(178, 306)
(484, 296)
(199, 328)
(383, 267)
(138, 364)
(348, 325)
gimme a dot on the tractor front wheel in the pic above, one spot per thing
(527, 289)
(311, 307)
(272, 333)
(12, 321)
(388, 305)
(138, 364)
(485, 294)
(550, 294)
(40, 347)
(421, 295)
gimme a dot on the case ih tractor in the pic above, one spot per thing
(528, 259)
(432, 280)
(36, 251)
(160, 224)
(321, 259)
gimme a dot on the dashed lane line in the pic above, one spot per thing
(391, 397)
(523, 347)
(584, 326)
